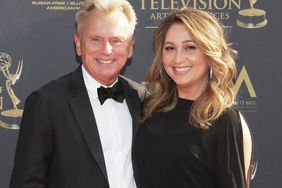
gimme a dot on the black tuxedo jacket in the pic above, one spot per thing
(59, 144)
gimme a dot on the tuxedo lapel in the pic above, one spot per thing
(134, 104)
(82, 110)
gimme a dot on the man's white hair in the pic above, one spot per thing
(106, 6)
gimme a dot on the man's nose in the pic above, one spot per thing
(107, 49)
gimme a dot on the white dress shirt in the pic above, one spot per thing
(114, 124)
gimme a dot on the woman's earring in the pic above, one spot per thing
(210, 74)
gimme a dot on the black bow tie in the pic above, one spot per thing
(115, 92)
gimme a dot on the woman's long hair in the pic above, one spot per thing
(208, 34)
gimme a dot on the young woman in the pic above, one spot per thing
(191, 135)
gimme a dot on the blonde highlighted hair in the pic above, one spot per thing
(107, 6)
(209, 35)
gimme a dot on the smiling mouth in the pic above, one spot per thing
(182, 69)
(105, 61)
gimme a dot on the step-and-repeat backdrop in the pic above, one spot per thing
(36, 46)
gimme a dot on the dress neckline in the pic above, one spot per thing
(185, 100)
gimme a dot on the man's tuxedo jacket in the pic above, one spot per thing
(59, 144)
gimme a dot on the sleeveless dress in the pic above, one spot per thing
(171, 153)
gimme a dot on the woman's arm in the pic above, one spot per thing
(247, 143)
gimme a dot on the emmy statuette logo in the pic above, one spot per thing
(14, 112)
(252, 18)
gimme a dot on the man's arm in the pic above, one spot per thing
(141, 89)
(34, 146)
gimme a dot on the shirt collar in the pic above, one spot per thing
(92, 84)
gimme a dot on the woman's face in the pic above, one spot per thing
(184, 62)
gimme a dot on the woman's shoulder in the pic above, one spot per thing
(230, 116)
(229, 122)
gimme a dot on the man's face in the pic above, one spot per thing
(104, 45)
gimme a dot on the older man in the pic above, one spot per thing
(77, 131)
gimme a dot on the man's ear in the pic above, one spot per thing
(77, 44)
(131, 47)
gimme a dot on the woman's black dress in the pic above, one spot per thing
(171, 153)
